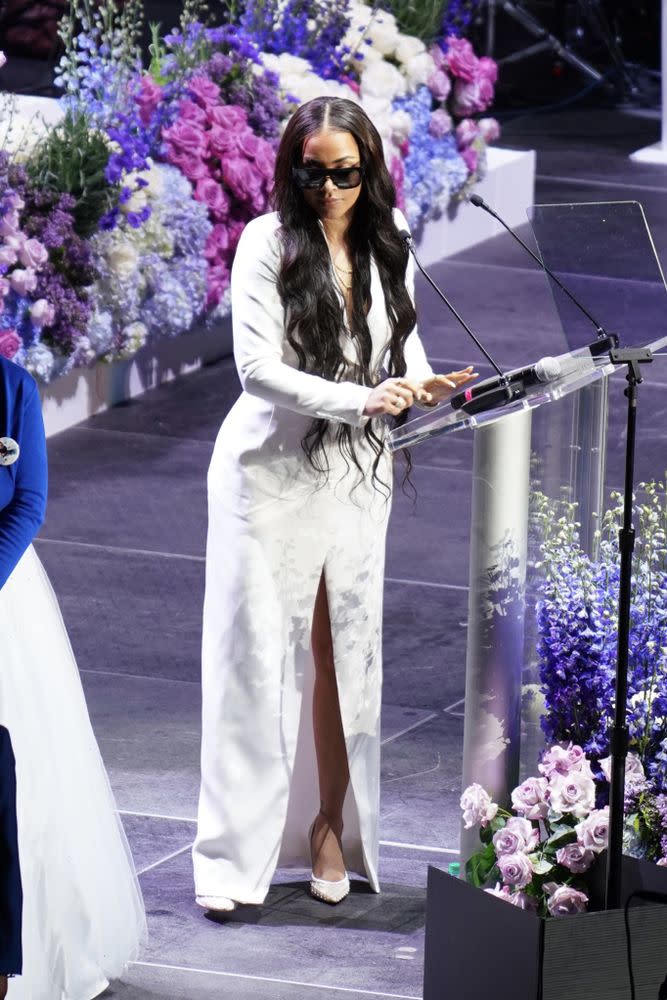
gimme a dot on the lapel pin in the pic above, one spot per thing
(9, 451)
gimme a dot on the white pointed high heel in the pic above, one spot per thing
(217, 904)
(320, 888)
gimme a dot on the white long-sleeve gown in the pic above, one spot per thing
(274, 528)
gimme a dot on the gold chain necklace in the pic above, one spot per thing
(340, 273)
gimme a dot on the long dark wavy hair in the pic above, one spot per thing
(313, 309)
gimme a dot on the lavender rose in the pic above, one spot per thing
(529, 798)
(575, 858)
(42, 313)
(477, 806)
(571, 793)
(188, 111)
(515, 869)
(633, 767)
(440, 124)
(472, 96)
(204, 91)
(489, 129)
(185, 137)
(439, 84)
(23, 281)
(593, 832)
(564, 900)
(33, 254)
(563, 760)
(517, 836)
(210, 193)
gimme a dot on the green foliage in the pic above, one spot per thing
(480, 866)
(72, 159)
(422, 18)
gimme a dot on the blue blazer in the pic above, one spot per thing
(23, 484)
(11, 895)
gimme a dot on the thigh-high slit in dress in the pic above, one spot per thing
(275, 527)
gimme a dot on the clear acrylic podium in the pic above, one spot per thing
(552, 440)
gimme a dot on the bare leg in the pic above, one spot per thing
(332, 767)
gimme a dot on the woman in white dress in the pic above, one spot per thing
(299, 493)
(83, 916)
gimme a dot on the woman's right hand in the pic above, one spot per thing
(393, 396)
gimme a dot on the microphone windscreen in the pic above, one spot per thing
(476, 200)
(548, 369)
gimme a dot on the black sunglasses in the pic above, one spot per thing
(309, 178)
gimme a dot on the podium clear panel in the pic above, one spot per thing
(603, 252)
(550, 444)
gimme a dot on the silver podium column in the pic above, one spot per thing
(496, 609)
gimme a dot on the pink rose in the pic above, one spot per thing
(5, 288)
(466, 133)
(439, 84)
(212, 195)
(235, 228)
(188, 111)
(228, 116)
(562, 760)
(487, 68)
(515, 869)
(217, 242)
(33, 254)
(22, 281)
(571, 793)
(191, 167)
(529, 798)
(186, 138)
(489, 129)
(460, 58)
(477, 806)
(265, 159)
(517, 836)
(9, 343)
(148, 98)
(8, 256)
(217, 283)
(575, 858)
(471, 97)
(223, 141)
(564, 900)
(204, 91)
(42, 313)
(3, 59)
(593, 831)
(241, 177)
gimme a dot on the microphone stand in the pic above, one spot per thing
(632, 357)
(606, 341)
(505, 391)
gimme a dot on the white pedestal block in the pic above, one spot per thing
(85, 391)
(508, 187)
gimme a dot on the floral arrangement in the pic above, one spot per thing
(538, 854)
(577, 619)
(133, 234)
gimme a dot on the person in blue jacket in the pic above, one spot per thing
(11, 894)
(82, 915)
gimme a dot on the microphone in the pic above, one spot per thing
(500, 389)
(606, 341)
(547, 369)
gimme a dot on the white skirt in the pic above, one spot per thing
(83, 915)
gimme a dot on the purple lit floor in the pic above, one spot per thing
(124, 546)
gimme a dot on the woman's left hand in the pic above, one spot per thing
(441, 387)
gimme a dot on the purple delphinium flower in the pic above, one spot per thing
(313, 30)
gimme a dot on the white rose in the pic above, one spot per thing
(381, 79)
(418, 70)
(408, 47)
(384, 33)
(286, 64)
(365, 55)
(123, 259)
(401, 126)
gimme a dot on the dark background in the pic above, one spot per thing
(618, 38)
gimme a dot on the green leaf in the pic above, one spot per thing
(480, 866)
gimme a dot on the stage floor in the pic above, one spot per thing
(124, 546)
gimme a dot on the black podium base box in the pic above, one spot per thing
(480, 947)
